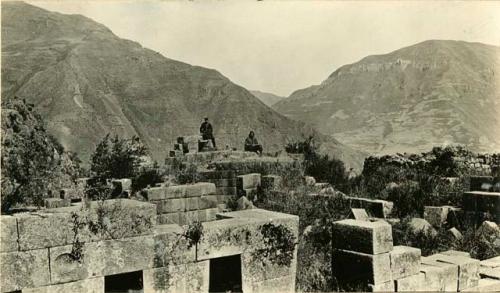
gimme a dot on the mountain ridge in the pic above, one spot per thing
(87, 82)
(431, 93)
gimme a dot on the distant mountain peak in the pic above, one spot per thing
(432, 93)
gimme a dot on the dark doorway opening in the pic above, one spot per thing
(124, 283)
(225, 274)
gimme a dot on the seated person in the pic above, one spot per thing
(252, 145)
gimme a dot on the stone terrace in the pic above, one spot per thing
(36, 248)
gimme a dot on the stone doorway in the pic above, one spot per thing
(225, 274)
(124, 283)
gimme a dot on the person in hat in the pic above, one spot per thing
(206, 131)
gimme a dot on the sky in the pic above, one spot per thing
(283, 46)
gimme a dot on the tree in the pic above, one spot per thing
(34, 163)
(117, 157)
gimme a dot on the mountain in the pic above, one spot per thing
(267, 98)
(88, 82)
(432, 93)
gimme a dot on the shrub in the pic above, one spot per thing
(33, 163)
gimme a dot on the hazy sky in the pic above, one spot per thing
(282, 46)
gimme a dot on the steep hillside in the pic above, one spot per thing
(431, 93)
(87, 82)
(267, 98)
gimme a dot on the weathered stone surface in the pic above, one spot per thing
(283, 284)
(93, 285)
(260, 269)
(491, 262)
(8, 234)
(492, 273)
(102, 258)
(244, 204)
(171, 218)
(171, 205)
(405, 261)
(419, 225)
(155, 193)
(456, 253)
(177, 278)
(192, 203)
(374, 207)
(362, 236)
(309, 180)
(271, 182)
(411, 283)
(211, 214)
(51, 203)
(359, 214)
(436, 216)
(189, 217)
(485, 285)
(227, 182)
(24, 269)
(208, 202)
(171, 247)
(226, 190)
(197, 276)
(383, 287)
(359, 268)
(42, 230)
(488, 229)
(454, 234)
(468, 269)
(199, 189)
(439, 276)
(246, 181)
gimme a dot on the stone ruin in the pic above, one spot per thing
(364, 257)
(149, 248)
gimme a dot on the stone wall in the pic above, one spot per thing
(364, 258)
(36, 248)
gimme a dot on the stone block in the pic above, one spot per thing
(179, 278)
(436, 216)
(375, 207)
(199, 189)
(362, 236)
(247, 181)
(283, 284)
(192, 203)
(492, 273)
(173, 205)
(211, 214)
(226, 190)
(453, 234)
(227, 182)
(92, 285)
(208, 202)
(226, 237)
(123, 184)
(411, 283)
(271, 182)
(24, 269)
(243, 204)
(405, 261)
(176, 191)
(491, 262)
(357, 268)
(42, 230)
(468, 269)
(489, 229)
(8, 234)
(51, 203)
(102, 258)
(155, 193)
(456, 253)
(190, 217)
(485, 285)
(382, 287)
(170, 247)
(359, 214)
(309, 181)
(419, 225)
(171, 218)
(439, 276)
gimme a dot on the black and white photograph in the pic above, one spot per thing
(255, 146)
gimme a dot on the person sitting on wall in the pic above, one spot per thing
(206, 131)
(252, 145)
